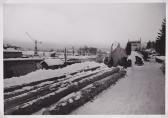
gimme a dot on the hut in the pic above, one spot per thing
(52, 63)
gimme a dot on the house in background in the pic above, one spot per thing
(135, 45)
(12, 53)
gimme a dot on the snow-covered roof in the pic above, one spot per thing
(52, 62)
(20, 59)
(11, 50)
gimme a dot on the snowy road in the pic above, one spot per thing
(141, 92)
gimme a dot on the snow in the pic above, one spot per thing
(20, 59)
(161, 57)
(79, 57)
(150, 50)
(46, 74)
(141, 92)
(115, 45)
(11, 50)
(40, 53)
(51, 62)
(133, 56)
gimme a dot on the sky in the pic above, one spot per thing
(78, 24)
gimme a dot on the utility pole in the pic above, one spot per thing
(35, 48)
(73, 51)
(35, 41)
(65, 55)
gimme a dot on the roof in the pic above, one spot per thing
(52, 62)
(135, 41)
(22, 59)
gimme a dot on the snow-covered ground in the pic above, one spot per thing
(46, 74)
(141, 92)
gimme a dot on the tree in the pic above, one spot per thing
(92, 50)
(153, 43)
(148, 44)
(161, 39)
(128, 48)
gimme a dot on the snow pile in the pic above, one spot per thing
(161, 57)
(46, 74)
(51, 62)
(133, 55)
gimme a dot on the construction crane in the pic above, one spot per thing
(35, 41)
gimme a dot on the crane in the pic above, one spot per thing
(35, 41)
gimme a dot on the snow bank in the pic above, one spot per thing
(133, 55)
(45, 74)
(161, 57)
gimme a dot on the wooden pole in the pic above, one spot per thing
(65, 55)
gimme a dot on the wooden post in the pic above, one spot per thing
(73, 51)
(65, 55)
(35, 48)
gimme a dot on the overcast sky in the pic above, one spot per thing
(82, 24)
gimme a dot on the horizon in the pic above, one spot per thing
(77, 25)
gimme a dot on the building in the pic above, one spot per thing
(15, 67)
(11, 53)
(135, 45)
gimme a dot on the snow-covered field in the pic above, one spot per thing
(46, 74)
(141, 92)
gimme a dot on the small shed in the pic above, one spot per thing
(52, 63)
